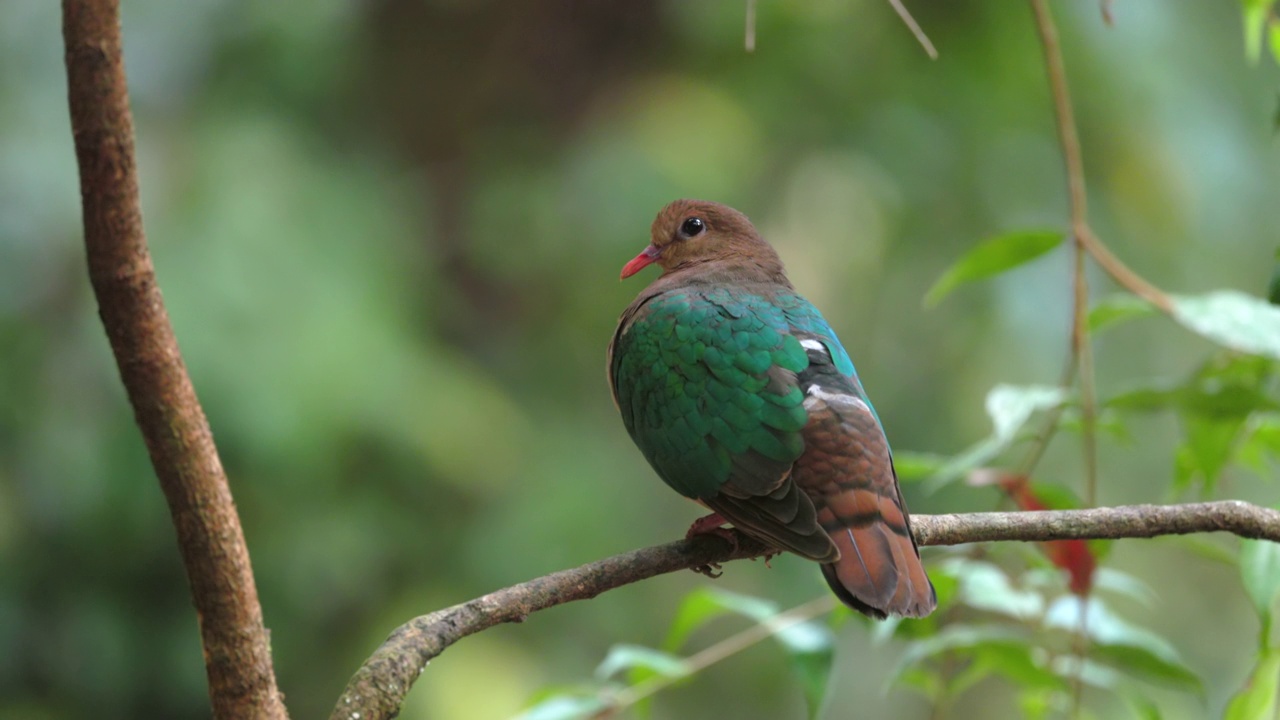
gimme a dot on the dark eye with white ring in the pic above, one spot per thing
(692, 226)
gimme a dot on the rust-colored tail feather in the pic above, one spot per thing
(879, 571)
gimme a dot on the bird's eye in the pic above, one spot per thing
(692, 226)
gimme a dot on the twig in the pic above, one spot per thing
(749, 40)
(379, 687)
(915, 29)
(1081, 363)
(1121, 273)
(1040, 442)
(1070, 141)
(237, 654)
(725, 648)
(1079, 197)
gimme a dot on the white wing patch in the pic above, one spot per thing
(812, 344)
(814, 394)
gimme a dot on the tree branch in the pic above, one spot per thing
(379, 687)
(236, 650)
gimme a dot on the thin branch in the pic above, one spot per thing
(725, 648)
(1081, 347)
(379, 687)
(1040, 441)
(749, 39)
(1111, 523)
(1070, 141)
(1079, 197)
(915, 29)
(237, 654)
(1067, 136)
(1128, 279)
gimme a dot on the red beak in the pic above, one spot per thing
(639, 262)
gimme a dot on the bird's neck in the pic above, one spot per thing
(767, 271)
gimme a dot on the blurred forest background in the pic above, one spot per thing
(389, 235)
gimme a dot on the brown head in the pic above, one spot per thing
(697, 234)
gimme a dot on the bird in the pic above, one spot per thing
(738, 393)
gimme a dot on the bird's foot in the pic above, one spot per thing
(769, 556)
(711, 570)
(713, 524)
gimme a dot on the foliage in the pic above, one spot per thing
(992, 257)
(389, 234)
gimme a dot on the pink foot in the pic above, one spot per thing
(713, 524)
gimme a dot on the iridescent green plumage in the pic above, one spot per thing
(704, 376)
(740, 396)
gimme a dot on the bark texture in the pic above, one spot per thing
(380, 685)
(236, 650)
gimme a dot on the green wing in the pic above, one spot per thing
(706, 383)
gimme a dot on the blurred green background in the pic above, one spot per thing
(389, 234)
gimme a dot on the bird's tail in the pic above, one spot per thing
(879, 572)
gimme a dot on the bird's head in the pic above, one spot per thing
(690, 233)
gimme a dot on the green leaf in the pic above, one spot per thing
(1261, 444)
(1054, 496)
(812, 669)
(1255, 14)
(1205, 548)
(1117, 309)
(1103, 626)
(1260, 571)
(992, 257)
(1017, 663)
(1010, 407)
(916, 465)
(1273, 36)
(564, 707)
(1232, 319)
(1091, 673)
(1133, 650)
(954, 638)
(1142, 663)
(1143, 399)
(1038, 705)
(926, 682)
(1142, 707)
(1229, 385)
(985, 586)
(1207, 450)
(1273, 288)
(704, 604)
(628, 657)
(810, 645)
(810, 650)
(1121, 583)
(1257, 699)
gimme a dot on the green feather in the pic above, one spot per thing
(696, 374)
